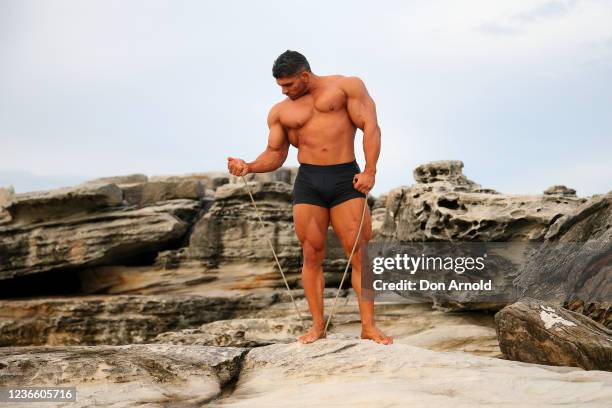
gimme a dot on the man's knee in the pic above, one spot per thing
(313, 254)
(349, 242)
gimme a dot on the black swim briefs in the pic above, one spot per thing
(325, 185)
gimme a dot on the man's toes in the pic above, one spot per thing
(304, 339)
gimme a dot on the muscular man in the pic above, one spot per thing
(319, 117)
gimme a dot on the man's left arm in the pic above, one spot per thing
(362, 111)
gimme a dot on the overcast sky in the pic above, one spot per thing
(520, 91)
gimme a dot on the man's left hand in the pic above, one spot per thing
(363, 182)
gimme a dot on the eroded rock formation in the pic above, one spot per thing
(444, 205)
(574, 264)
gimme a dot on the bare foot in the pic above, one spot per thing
(313, 334)
(373, 333)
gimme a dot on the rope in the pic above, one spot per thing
(273, 251)
(365, 204)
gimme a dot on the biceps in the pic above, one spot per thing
(277, 140)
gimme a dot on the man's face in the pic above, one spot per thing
(294, 86)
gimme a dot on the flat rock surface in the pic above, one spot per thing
(339, 372)
(124, 376)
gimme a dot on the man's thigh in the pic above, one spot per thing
(345, 218)
(311, 223)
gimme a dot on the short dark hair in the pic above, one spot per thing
(289, 63)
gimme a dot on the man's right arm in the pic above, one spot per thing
(278, 146)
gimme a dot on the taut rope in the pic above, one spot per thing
(365, 204)
(273, 251)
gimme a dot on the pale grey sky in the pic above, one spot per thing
(521, 91)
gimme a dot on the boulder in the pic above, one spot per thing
(537, 332)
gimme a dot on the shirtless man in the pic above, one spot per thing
(319, 117)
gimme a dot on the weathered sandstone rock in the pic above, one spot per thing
(339, 372)
(152, 375)
(536, 332)
(574, 264)
(445, 206)
(118, 319)
(87, 238)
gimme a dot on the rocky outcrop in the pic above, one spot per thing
(85, 237)
(574, 264)
(536, 332)
(125, 376)
(448, 171)
(119, 319)
(446, 206)
(28, 209)
(208, 180)
(560, 190)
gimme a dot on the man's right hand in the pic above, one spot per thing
(237, 167)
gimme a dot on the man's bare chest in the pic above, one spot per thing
(310, 107)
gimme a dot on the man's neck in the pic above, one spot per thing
(315, 82)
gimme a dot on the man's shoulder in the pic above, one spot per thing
(275, 111)
(278, 106)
